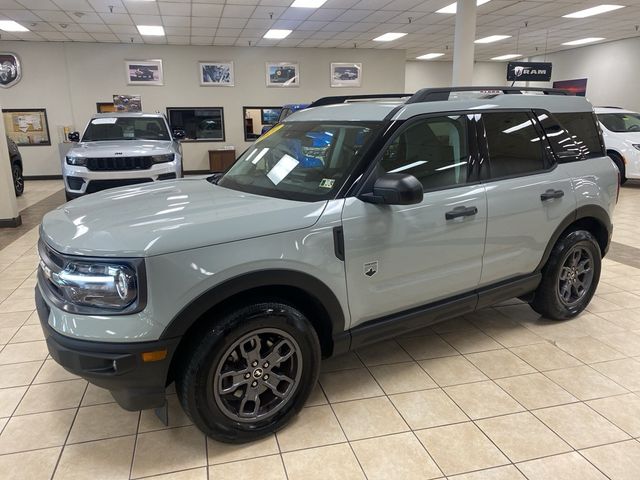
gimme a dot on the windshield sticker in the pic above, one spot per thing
(282, 169)
(270, 132)
(327, 183)
(104, 121)
(262, 153)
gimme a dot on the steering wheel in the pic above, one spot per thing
(634, 128)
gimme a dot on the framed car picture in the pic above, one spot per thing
(27, 126)
(283, 74)
(216, 74)
(346, 74)
(144, 72)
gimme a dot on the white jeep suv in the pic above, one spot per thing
(621, 133)
(120, 149)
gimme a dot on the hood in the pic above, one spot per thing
(169, 216)
(125, 148)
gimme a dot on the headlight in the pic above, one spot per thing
(76, 161)
(92, 286)
(163, 158)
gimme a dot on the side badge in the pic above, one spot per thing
(370, 268)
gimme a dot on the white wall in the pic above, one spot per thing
(422, 74)
(612, 70)
(69, 78)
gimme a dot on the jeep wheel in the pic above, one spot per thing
(570, 277)
(18, 180)
(617, 159)
(250, 373)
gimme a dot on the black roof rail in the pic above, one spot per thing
(442, 94)
(334, 100)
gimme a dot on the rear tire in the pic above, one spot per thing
(617, 159)
(570, 277)
(249, 373)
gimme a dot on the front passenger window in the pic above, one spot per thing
(433, 150)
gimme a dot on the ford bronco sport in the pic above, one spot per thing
(342, 226)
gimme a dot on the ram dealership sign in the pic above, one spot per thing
(529, 71)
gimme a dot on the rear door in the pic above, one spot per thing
(403, 256)
(528, 194)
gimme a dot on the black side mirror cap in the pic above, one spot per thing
(395, 189)
(178, 134)
(74, 136)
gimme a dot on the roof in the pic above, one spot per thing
(126, 114)
(612, 110)
(378, 111)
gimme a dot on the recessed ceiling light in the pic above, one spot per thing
(453, 7)
(151, 30)
(11, 26)
(593, 11)
(492, 38)
(389, 37)
(508, 56)
(429, 56)
(308, 3)
(582, 41)
(277, 34)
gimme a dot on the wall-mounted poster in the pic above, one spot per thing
(144, 72)
(346, 74)
(10, 70)
(27, 127)
(127, 103)
(283, 74)
(216, 74)
(576, 87)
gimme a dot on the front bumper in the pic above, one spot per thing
(118, 367)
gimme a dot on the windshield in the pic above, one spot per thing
(126, 128)
(305, 161)
(620, 122)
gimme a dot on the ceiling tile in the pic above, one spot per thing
(237, 11)
(53, 15)
(80, 37)
(206, 10)
(142, 8)
(172, 21)
(204, 21)
(73, 5)
(116, 19)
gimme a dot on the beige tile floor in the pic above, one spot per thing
(500, 394)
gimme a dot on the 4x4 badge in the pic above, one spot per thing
(370, 268)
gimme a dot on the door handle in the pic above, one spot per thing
(461, 212)
(551, 193)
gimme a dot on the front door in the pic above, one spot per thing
(398, 257)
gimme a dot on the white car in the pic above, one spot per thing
(621, 132)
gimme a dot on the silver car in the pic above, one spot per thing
(119, 149)
(342, 226)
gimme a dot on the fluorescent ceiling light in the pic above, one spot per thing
(582, 41)
(589, 12)
(277, 34)
(389, 37)
(429, 56)
(308, 3)
(152, 30)
(508, 56)
(492, 38)
(11, 26)
(453, 7)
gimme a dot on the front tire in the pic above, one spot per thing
(570, 277)
(249, 373)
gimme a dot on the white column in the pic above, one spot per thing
(9, 216)
(463, 47)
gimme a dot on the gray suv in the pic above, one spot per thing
(342, 226)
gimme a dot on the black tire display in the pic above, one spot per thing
(250, 372)
(570, 276)
(18, 180)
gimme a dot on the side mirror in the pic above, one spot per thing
(74, 136)
(178, 134)
(395, 189)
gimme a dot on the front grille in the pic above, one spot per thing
(100, 164)
(98, 185)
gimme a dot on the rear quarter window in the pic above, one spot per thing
(583, 129)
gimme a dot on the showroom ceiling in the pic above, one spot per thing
(530, 25)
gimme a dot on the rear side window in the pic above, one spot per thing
(563, 144)
(514, 144)
(583, 128)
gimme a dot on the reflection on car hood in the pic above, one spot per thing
(169, 216)
(125, 148)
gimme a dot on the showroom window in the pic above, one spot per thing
(433, 150)
(205, 124)
(515, 148)
(259, 119)
(582, 125)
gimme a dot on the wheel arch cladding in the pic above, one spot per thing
(302, 291)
